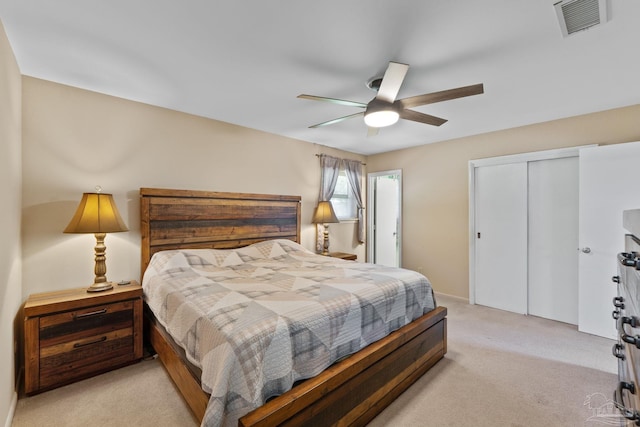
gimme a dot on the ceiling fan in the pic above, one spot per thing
(385, 109)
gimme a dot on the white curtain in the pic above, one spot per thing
(329, 171)
(353, 170)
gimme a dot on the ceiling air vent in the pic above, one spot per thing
(578, 15)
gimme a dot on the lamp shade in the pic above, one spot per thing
(324, 213)
(96, 213)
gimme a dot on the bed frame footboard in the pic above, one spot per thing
(353, 391)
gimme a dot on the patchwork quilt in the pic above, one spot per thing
(259, 318)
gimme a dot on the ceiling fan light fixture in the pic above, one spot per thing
(379, 115)
(385, 109)
(380, 119)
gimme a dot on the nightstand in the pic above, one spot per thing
(343, 255)
(72, 334)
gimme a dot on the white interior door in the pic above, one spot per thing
(608, 186)
(553, 239)
(385, 217)
(386, 237)
(501, 236)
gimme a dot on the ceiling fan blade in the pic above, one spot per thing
(338, 120)
(445, 95)
(421, 117)
(333, 101)
(371, 131)
(391, 82)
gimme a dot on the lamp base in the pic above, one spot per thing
(100, 287)
(325, 240)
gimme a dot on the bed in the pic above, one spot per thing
(184, 225)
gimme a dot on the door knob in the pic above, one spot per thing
(586, 250)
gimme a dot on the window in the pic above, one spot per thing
(344, 204)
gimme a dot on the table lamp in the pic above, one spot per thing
(324, 215)
(97, 213)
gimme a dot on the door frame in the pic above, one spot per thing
(501, 160)
(371, 176)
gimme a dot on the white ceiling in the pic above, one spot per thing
(244, 62)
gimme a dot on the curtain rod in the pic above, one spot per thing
(362, 163)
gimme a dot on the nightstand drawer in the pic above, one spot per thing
(72, 334)
(71, 325)
(73, 344)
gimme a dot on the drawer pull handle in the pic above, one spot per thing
(618, 302)
(615, 314)
(627, 259)
(630, 414)
(83, 344)
(92, 313)
(633, 321)
(629, 339)
(618, 351)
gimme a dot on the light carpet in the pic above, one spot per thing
(501, 369)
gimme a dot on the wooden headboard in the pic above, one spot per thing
(181, 219)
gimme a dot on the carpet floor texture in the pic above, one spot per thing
(501, 369)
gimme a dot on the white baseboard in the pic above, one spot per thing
(461, 299)
(12, 410)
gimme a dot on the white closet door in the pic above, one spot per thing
(501, 236)
(553, 239)
(608, 186)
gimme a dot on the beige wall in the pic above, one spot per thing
(10, 193)
(75, 139)
(435, 185)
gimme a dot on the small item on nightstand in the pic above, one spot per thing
(124, 282)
